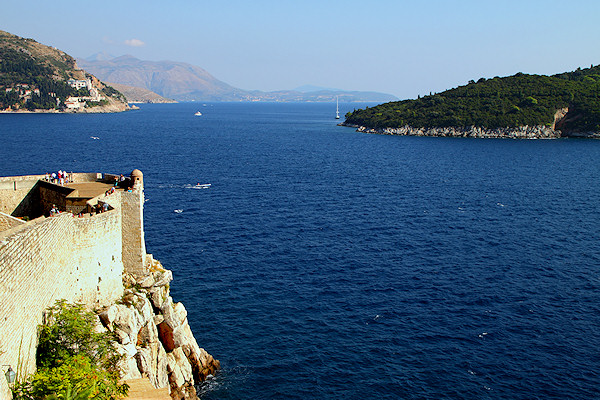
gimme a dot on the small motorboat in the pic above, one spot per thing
(198, 114)
(202, 186)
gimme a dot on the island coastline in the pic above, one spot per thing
(521, 132)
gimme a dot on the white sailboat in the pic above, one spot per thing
(337, 108)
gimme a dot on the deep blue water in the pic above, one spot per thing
(329, 264)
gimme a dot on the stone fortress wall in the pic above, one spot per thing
(52, 258)
(98, 259)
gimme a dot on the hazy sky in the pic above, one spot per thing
(401, 47)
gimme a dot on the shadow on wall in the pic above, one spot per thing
(40, 200)
(30, 205)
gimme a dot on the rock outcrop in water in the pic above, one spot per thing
(154, 335)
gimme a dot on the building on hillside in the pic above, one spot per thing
(79, 84)
(74, 103)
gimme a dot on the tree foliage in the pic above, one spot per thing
(73, 360)
(499, 102)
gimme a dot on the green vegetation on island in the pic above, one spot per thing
(38, 77)
(508, 102)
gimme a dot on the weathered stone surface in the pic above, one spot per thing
(99, 326)
(122, 337)
(107, 316)
(155, 337)
(180, 336)
(162, 377)
(185, 392)
(128, 280)
(128, 365)
(144, 362)
(175, 375)
(163, 278)
(147, 281)
(148, 334)
(129, 369)
(521, 132)
(159, 296)
(130, 349)
(128, 320)
(183, 363)
(165, 334)
(180, 313)
(168, 313)
(144, 308)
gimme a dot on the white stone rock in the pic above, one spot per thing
(144, 362)
(122, 337)
(159, 296)
(144, 308)
(175, 376)
(169, 314)
(163, 278)
(184, 364)
(129, 321)
(107, 316)
(129, 350)
(180, 313)
(129, 369)
(147, 281)
(162, 377)
(148, 334)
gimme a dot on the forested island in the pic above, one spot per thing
(35, 77)
(522, 105)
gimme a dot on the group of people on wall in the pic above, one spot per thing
(60, 177)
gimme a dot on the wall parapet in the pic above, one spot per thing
(64, 256)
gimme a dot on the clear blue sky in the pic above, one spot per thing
(401, 47)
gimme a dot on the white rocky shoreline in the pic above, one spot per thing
(521, 132)
(154, 336)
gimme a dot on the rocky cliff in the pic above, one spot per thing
(154, 335)
(521, 132)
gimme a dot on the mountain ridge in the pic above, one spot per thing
(186, 82)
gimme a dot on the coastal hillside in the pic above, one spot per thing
(35, 77)
(174, 80)
(140, 95)
(185, 82)
(567, 104)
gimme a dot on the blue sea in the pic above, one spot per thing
(323, 263)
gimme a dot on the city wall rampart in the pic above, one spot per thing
(79, 259)
(85, 255)
(62, 257)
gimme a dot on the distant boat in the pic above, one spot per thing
(337, 108)
(198, 114)
(202, 186)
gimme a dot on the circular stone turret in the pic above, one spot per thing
(137, 177)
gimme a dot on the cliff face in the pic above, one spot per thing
(154, 335)
(104, 267)
(522, 132)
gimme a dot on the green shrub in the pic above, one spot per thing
(73, 360)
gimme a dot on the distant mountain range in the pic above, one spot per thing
(185, 82)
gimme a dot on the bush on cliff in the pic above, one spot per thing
(74, 361)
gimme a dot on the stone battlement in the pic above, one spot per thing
(79, 254)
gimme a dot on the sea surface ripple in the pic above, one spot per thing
(328, 264)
